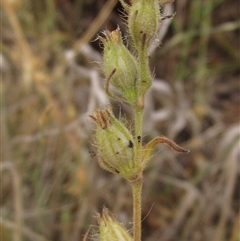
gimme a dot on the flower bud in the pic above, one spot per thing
(120, 67)
(111, 230)
(143, 22)
(116, 148)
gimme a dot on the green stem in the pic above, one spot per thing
(145, 82)
(137, 208)
(144, 72)
(137, 184)
(138, 112)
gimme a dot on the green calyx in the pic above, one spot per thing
(120, 68)
(110, 229)
(143, 22)
(116, 145)
(117, 148)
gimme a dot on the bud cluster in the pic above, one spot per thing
(128, 78)
(118, 151)
(126, 74)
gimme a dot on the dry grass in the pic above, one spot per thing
(51, 185)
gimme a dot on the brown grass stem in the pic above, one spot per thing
(17, 201)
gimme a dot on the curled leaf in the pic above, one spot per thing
(148, 148)
(165, 140)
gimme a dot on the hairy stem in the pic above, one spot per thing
(137, 207)
(144, 73)
(138, 111)
(137, 183)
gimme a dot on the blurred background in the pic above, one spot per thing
(52, 80)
